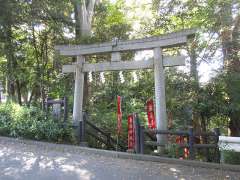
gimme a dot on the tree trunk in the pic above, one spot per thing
(193, 65)
(83, 16)
(230, 47)
(38, 80)
(18, 86)
(196, 120)
(9, 50)
(226, 34)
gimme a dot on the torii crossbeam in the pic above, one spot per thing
(115, 47)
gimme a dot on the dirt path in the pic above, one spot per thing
(26, 162)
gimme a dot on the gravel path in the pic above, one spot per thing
(25, 162)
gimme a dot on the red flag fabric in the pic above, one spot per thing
(119, 115)
(150, 114)
(131, 133)
(182, 140)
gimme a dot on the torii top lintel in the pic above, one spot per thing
(167, 40)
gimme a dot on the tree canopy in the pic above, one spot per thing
(31, 69)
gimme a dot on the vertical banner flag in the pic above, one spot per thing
(119, 115)
(131, 133)
(150, 114)
(181, 140)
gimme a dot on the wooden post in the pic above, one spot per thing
(82, 130)
(160, 103)
(108, 140)
(141, 136)
(136, 124)
(65, 110)
(191, 143)
(217, 152)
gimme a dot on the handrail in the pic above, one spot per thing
(155, 131)
(96, 128)
(105, 134)
(191, 145)
(99, 139)
(178, 132)
(150, 136)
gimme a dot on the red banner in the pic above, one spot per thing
(131, 133)
(119, 115)
(181, 140)
(150, 114)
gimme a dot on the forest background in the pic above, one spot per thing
(204, 94)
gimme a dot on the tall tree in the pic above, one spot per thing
(11, 16)
(221, 18)
(28, 32)
(83, 12)
(229, 31)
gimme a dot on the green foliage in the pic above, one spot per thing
(217, 102)
(31, 70)
(231, 157)
(31, 123)
(109, 22)
(172, 150)
(221, 121)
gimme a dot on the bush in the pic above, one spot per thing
(231, 157)
(31, 123)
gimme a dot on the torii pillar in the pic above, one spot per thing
(160, 99)
(78, 98)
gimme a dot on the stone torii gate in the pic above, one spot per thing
(115, 47)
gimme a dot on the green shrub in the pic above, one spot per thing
(174, 151)
(231, 157)
(31, 123)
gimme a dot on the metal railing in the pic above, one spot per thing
(88, 128)
(191, 144)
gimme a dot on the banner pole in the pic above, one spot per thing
(117, 143)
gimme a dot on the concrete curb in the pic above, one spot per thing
(113, 154)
